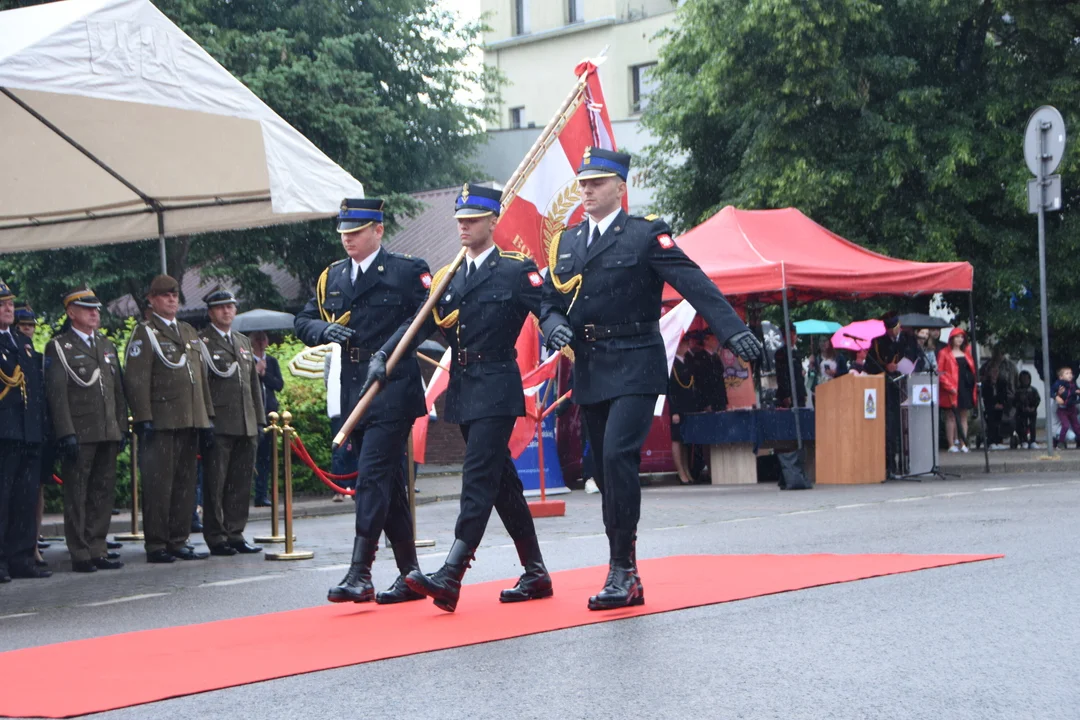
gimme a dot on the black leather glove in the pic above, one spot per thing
(560, 337)
(376, 372)
(337, 333)
(206, 439)
(144, 431)
(746, 346)
(68, 447)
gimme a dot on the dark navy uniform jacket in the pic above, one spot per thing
(490, 309)
(622, 280)
(388, 294)
(18, 421)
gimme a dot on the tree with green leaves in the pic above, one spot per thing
(380, 87)
(898, 125)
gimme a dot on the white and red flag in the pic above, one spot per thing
(543, 197)
(540, 200)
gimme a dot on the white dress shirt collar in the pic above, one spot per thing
(479, 259)
(222, 333)
(88, 339)
(604, 224)
(363, 264)
(169, 323)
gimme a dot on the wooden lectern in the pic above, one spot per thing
(850, 430)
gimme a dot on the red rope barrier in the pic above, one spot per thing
(57, 480)
(304, 456)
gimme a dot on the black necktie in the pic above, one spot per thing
(595, 235)
(469, 269)
(9, 341)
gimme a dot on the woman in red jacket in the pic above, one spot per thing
(957, 385)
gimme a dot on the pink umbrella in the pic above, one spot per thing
(858, 335)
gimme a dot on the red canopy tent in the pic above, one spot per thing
(761, 253)
(782, 256)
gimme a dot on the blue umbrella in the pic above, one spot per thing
(816, 327)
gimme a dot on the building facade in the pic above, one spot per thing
(536, 44)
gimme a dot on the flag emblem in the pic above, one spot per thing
(665, 241)
(535, 280)
(425, 280)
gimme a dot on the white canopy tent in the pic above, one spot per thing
(116, 126)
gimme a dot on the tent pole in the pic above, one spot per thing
(791, 369)
(161, 242)
(978, 388)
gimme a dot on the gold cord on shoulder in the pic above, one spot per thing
(449, 320)
(320, 297)
(14, 380)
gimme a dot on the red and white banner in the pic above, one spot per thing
(439, 381)
(546, 198)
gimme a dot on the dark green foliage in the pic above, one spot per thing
(896, 123)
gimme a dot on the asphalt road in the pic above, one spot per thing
(996, 639)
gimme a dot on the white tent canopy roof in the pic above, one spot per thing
(113, 120)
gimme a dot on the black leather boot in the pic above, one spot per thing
(535, 583)
(399, 592)
(623, 588)
(356, 586)
(444, 585)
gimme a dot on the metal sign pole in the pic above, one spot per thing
(1043, 309)
(1044, 145)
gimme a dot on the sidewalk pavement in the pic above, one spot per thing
(443, 482)
(433, 483)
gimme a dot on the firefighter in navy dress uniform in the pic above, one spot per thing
(359, 303)
(481, 314)
(602, 298)
(22, 432)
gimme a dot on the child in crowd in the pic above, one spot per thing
(1066, 398)
(1026, 402)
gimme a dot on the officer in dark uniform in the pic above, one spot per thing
(602, 298)
(480, 315)
(89, 416)
(166, 389)
(22, 432)
(783, 374)
(883, 358)
(229, 465)
(359, 303)
(682, 398)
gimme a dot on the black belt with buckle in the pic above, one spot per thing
(469, 357)
(592, 333)
(358, 355)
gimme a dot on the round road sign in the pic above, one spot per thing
(1049, 118)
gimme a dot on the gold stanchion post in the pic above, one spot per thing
(412, 498)
(289, 554)
(274, 430)
(134, 535)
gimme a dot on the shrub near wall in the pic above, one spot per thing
(306, 400)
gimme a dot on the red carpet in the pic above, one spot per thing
(100, 674)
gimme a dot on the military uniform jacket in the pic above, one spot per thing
(622, 280)
(22, 408)
(235, 386)
(482, 318)
(85, 388)
(388, 294)
(165, 379)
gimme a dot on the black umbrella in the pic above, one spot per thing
(253, 320)
(919, 320)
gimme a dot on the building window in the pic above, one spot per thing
(575, 11)
(521, 17)
(644, 85)
(517, 117)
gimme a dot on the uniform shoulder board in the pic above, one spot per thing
(339, 262)
(400, 256)
(650, 217)
(519, 256)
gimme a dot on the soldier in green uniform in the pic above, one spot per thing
(89, 415)
(229, 466)
(166, 388)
